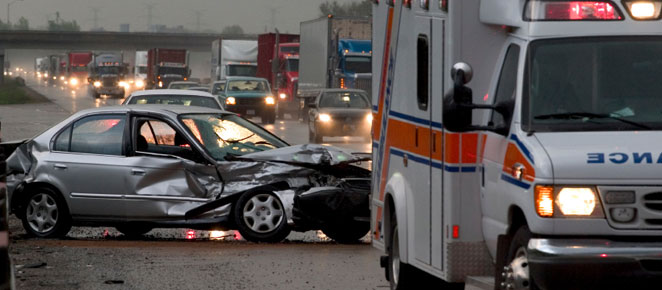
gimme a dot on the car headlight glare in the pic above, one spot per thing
(283, 96)
(270, 100)
(231, 101)
(73, 81)
(124, 84)
(368, 118)
(97, 84)
(140, 84)
(325, 117)
(576, 201)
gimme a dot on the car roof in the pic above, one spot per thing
(244, 79)
(184, 82)
(342, 91)
(171, 92)
(168, 110)
(219, 82)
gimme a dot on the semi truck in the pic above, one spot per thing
(57, 68)
(41, 67)
(140, 70)
(515, 140)
(335, 52)
(233, 57)
(165, 66)
(77, 71)
(107, 75)
(278, 62)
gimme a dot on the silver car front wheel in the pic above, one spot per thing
(260, 217)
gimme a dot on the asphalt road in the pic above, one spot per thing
(101, 258)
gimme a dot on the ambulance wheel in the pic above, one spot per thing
(260, 217)
(516, 269)
(400, 275)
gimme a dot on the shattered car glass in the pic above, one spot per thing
(153, 166)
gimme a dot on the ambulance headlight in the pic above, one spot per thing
(644, 10)
(567, 201)
(576, 201)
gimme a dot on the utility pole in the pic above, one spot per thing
(95, 17)
(9, 7)
(198, 15)
(273, 11)
(150, 8)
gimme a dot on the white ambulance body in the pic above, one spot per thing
(562, 171)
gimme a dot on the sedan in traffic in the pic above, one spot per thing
(140, 167)
(250, 96)
(339, 112)
(173, 97)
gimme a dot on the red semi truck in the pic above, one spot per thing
(77, 71)
(278, 62)
(165, 66)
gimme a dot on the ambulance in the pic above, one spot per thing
(520, 140)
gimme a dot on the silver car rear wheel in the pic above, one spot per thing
(42, 213)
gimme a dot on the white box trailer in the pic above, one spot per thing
(542, 169)
(233, 57)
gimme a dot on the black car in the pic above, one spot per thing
(339, 112)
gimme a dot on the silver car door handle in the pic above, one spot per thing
(59, 166)
(137, 172)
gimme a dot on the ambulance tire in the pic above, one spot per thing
(516, 260)
(400, 275)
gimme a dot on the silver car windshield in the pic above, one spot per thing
(224, 135)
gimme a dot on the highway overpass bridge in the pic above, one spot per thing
(106, 41)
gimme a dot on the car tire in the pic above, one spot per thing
(45, 214)
(133, 230)
(350, 232)
(517, 262)
(260, 217)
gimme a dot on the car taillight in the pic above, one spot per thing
(571, 11)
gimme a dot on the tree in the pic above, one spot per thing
(61, 25)
(22, 24)
(4, 26)
(353, 9)
(233, 30)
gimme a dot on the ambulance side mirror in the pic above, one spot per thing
(458, 111)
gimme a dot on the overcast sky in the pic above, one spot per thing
(253, 15)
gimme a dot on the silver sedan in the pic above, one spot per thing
(142, 167)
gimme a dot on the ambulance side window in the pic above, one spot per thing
(422, 71)
(507, 83)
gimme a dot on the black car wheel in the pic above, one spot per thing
(260, 217)
(133, 230)
(349, 232)
(45, 214)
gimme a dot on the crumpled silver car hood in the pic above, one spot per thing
(307, 154)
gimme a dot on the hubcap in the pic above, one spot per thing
(42, 213)
(263, 213)
(516, 274)
(395, 260)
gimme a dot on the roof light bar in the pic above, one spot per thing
(643, 10)
(537, 10)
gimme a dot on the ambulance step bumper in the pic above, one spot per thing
(595, 263)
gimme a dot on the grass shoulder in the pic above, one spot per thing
(13, 91)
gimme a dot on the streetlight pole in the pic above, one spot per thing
(8, 6)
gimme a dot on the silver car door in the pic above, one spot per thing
(88, 163)
(164, 184)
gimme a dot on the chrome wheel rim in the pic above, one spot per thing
(395, 260)
(42, 213)
(516, 274)
(263, 213)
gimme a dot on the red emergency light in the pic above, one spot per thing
(571, 11)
